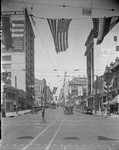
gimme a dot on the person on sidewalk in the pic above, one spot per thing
(102, 111)
(3, 111)
(43, 114)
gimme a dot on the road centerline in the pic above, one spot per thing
(49, 144)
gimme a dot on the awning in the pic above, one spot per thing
(114, 101)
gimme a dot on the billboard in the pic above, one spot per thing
(17, 35)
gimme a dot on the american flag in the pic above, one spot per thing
(102, 26)
(59, 29)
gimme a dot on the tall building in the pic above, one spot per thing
(77, 86)
(98, 56)
(18, 56)
(40, 91)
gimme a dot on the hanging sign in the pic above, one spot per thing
(87, 11)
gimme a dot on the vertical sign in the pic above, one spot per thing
(18, 35)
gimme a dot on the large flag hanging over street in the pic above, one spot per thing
(59, 29)
(102, 26)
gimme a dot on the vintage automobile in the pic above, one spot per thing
(89, 110)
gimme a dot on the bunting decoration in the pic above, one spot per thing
(102, 26)
(59, 29)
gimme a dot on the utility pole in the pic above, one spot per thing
(96, 87)
(16, 95)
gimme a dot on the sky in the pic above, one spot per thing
(46, 58)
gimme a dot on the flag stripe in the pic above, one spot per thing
(59, 29)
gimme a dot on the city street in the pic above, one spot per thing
(72, 132)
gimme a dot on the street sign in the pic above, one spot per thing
(87, 11)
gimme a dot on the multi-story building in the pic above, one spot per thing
(49, 94)
(41, 91)
(77, 88)
(18, 60)
(98, 56)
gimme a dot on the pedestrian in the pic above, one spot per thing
(3, 111)
(43, 114)
(102, 111)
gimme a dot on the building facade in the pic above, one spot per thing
(77, 88)
(18, 60)
(41, 91)
(97, 57)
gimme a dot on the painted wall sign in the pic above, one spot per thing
(18, 35)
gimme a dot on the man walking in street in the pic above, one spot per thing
(43, 114)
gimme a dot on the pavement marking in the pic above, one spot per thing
(84, 145)
(48, 146)
(24, 148)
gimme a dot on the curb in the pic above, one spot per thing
(16, 115)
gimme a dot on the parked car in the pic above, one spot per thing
(89, 110)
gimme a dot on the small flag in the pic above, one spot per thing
(54, 90)
(102, 26)
(59, 29)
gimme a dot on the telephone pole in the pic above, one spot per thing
(16, 95)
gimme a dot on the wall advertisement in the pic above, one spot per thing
(17, 35)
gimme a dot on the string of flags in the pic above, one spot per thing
(59, 29)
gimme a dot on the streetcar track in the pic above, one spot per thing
(24, 148)
(49, 144)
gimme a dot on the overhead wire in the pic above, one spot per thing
(63, 5)
(44, 44)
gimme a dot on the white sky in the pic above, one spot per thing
(79, 30)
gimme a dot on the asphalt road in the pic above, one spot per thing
(60, 132)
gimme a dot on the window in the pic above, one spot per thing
(115, 38)
(6, 58)
(117, 48)
(6, 66)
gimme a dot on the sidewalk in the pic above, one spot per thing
(111, 115)
(14, 114)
